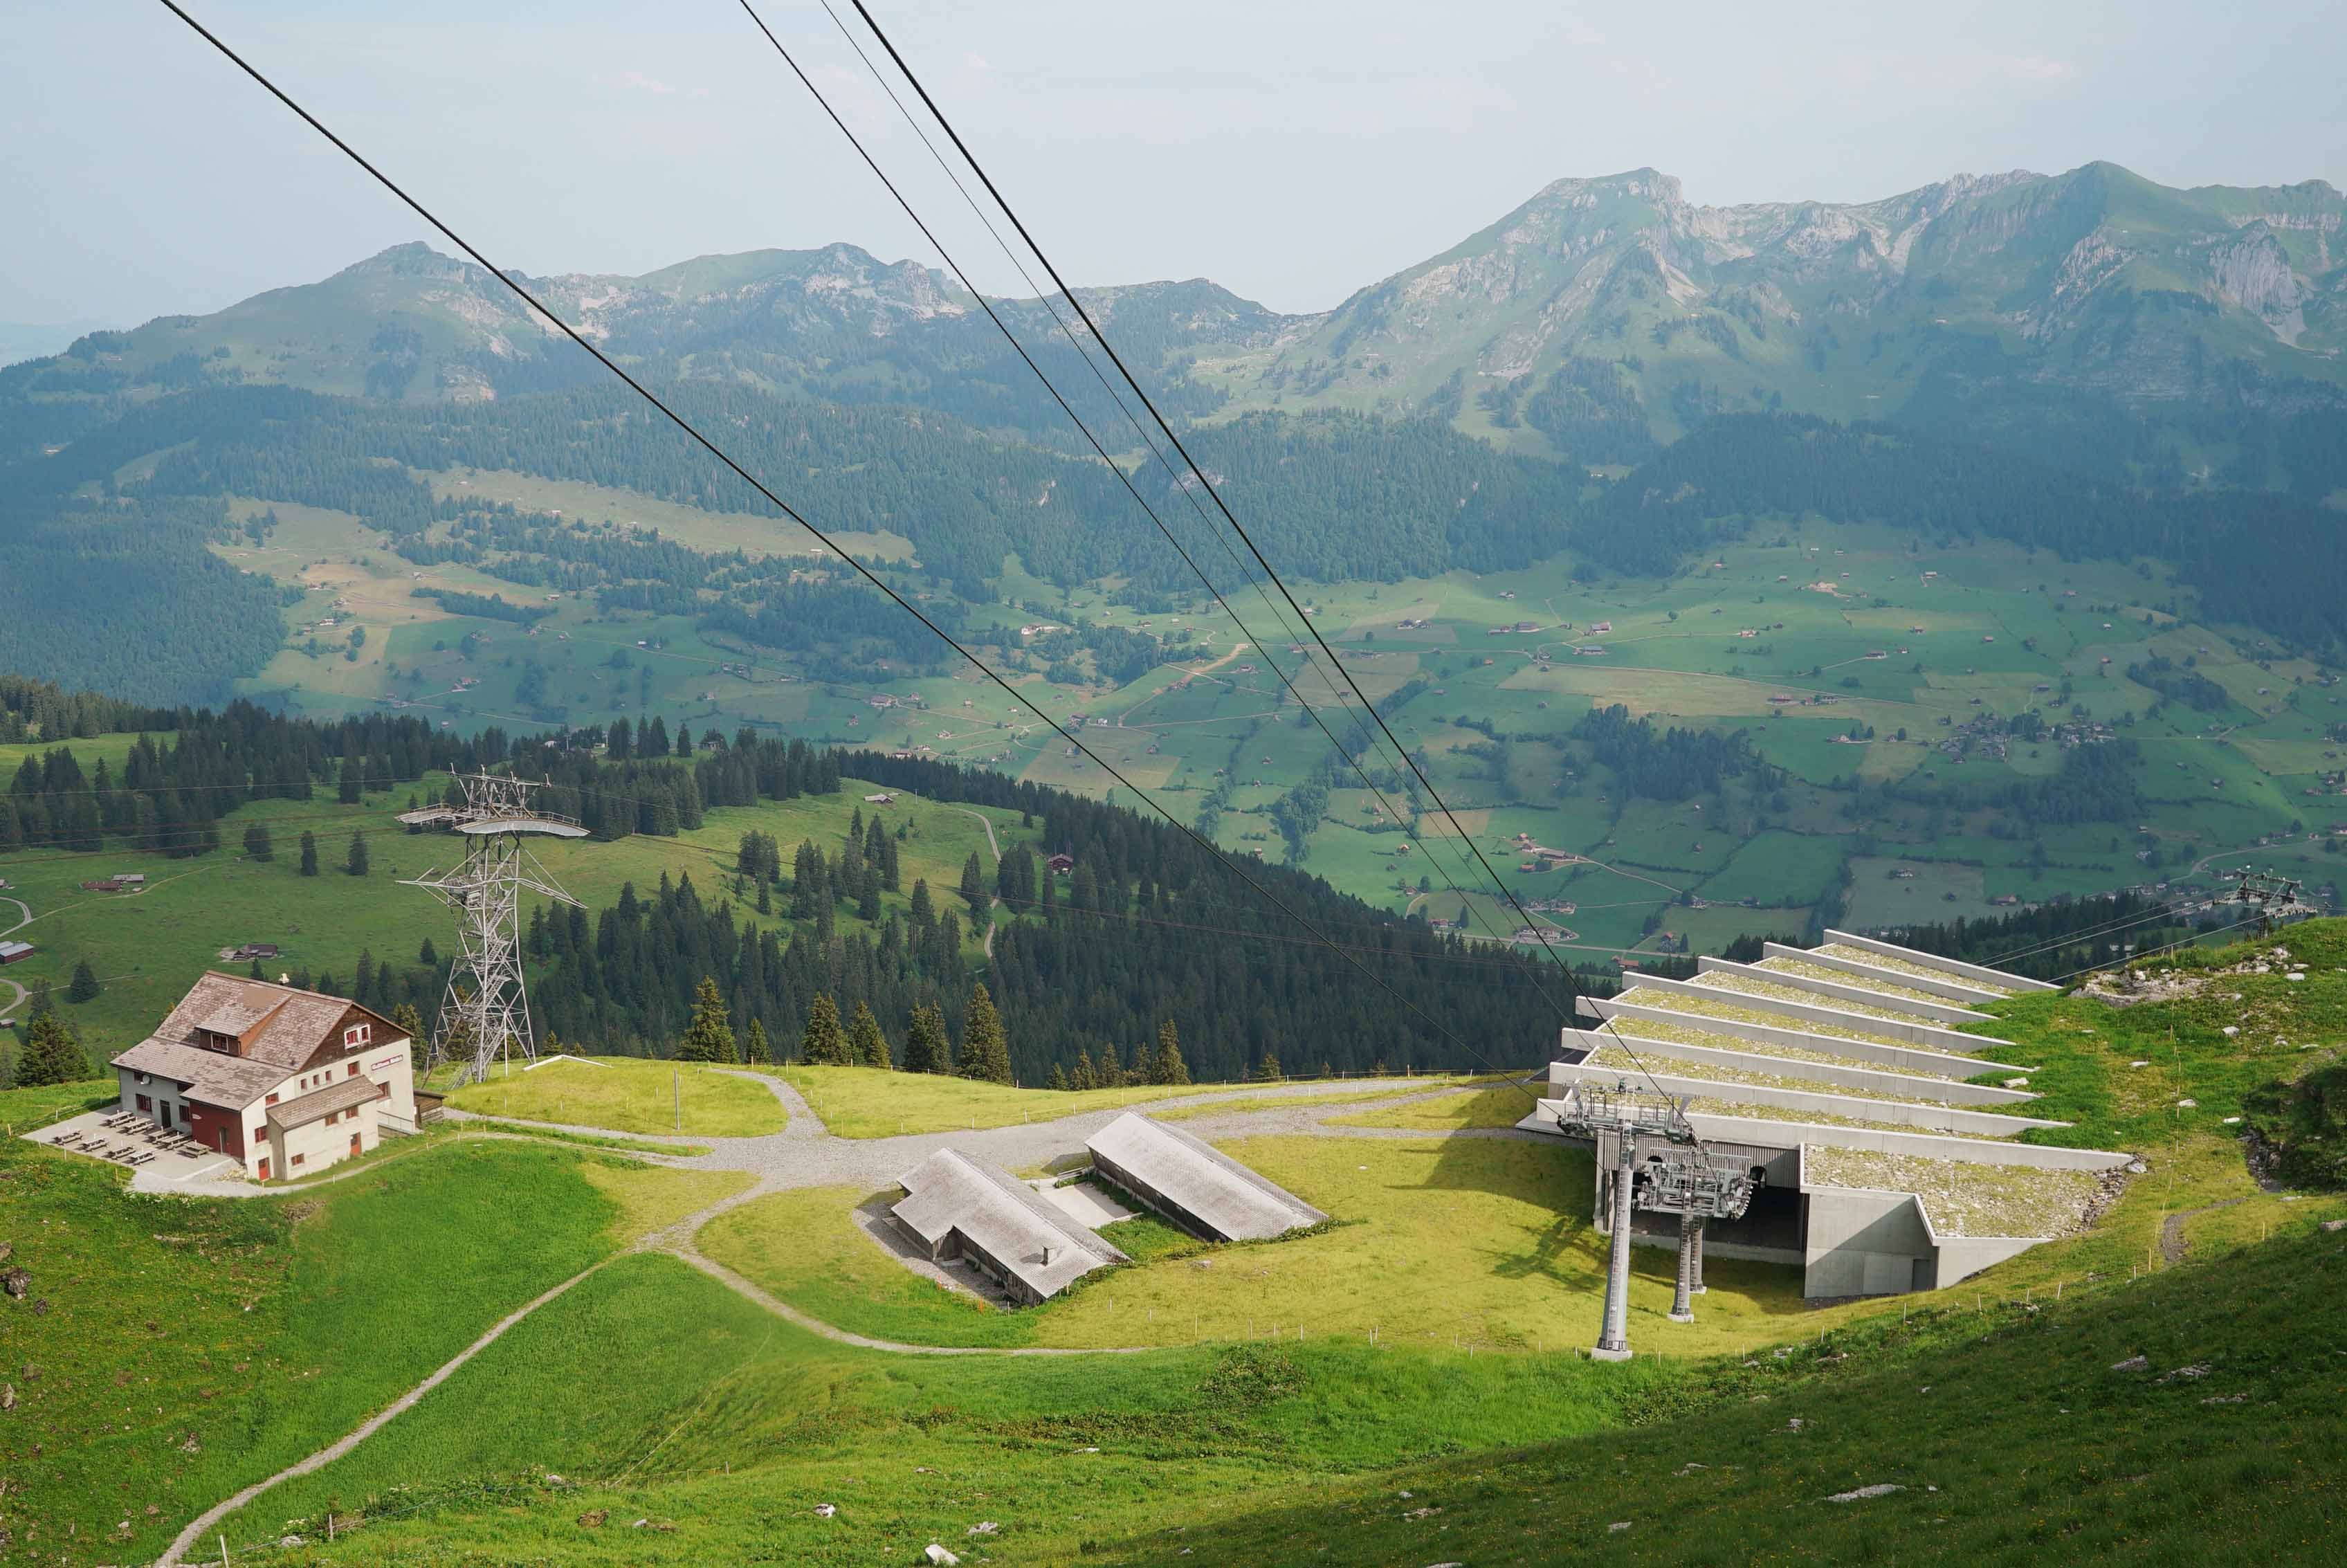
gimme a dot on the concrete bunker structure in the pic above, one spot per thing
(958, 1207)
(1842, 1075)
(1191, 1183)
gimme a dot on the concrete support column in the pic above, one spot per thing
(1697, 1288)
(1614, 1337)
(1682, 1311)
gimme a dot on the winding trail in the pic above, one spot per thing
(23, 919)
(987, 823)
(192, 1536)
(803, 1153)
(2172, 1242)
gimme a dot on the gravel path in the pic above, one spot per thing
(804, 1154)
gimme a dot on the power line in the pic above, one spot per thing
(1176, 441)
(513, 283)
(1125, 479)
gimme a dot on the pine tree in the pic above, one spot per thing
(357, 863)
(257, 844)
(405, 1020)
(985, 1051)
(1059, 1079)
(51, 1055)
(1269, 1070)
(427, 955)
(821, 1043)
(85, 983)
(1085, 1078)
(309, 853)
(867, 1046)
(925, 1047)
(755, 1052)
(708, 1038)
(973, 881)
(1167, 1066)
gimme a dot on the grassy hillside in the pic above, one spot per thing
(171, 1350)
(2017, 1432)
(147, 947)
(1267, 1423)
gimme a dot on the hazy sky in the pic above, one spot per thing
(1292, 151)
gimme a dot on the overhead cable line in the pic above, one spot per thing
(512, 283)
(1094, 441)
(1175, 440)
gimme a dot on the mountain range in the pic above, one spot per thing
(2094, 319)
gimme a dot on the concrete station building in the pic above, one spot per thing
(1193, 1184)
(957, 1207)
(1843, 1073)
(286, 1082)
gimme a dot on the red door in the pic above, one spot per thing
(354, 1143)
(264, 1167)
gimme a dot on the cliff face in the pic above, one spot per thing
(2095, 278)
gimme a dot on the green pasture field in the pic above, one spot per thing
(872, 1102)
(713, 533)
(1962, 632)
(147, 947)
(628, 1094)
(731, 1428)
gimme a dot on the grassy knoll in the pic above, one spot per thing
(1482, 1241)
(871, 1103)
(189, 1346)
(725, 1428)
(628, 1094)
(2011, 1435)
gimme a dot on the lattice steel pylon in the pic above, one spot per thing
(485, 891)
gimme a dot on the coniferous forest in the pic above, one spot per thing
(1146, 926)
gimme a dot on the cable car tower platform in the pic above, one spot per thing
(486, 1011)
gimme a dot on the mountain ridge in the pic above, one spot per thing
(2092, 318)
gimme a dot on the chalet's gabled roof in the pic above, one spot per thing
(1224, 1195)
(340, 1095)
(282, 1027)
(213, 1077)
(1002, 1217)
(291, 1023)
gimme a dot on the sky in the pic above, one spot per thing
(1292, 152)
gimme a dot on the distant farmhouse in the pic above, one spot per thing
(286, 1082)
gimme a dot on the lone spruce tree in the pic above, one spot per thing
(754, 1050)
(1167, 1066)
(52, 1054)
(927, 1049)
(309, 853)
(85, 983)
(356, 863)
(985, 1052)
(867, 1046)
(708, 1038)
(821, 1044)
